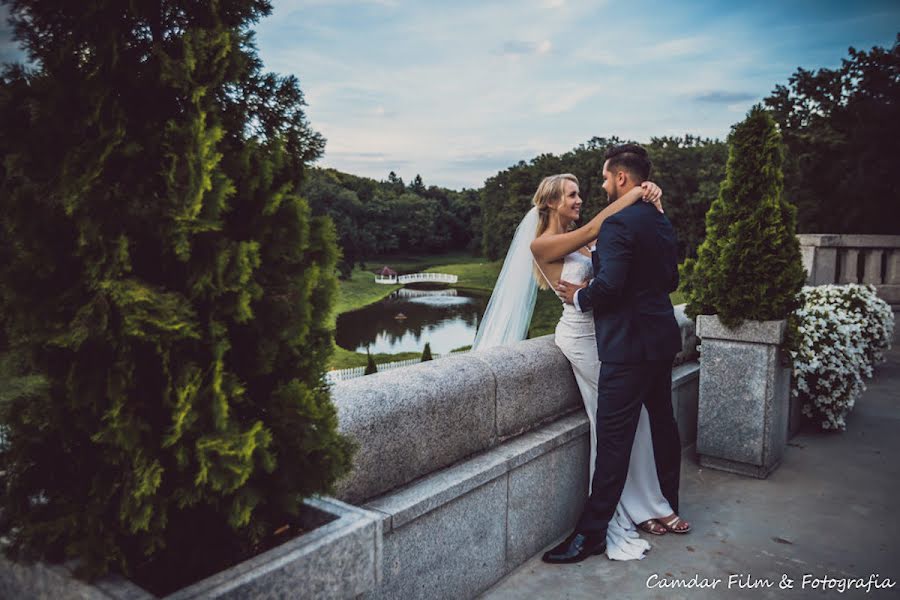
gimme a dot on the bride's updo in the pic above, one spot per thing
(549, 192)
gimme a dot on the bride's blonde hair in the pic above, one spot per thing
(550, 190)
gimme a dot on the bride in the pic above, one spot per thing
(544, 239)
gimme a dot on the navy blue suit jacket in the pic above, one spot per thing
(635, 269)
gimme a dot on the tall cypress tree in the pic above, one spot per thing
(749, 266)
(163, 289)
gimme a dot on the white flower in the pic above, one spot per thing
(844, 331)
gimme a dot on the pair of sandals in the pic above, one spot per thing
(671, 524)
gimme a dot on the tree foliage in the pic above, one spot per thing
(371, 367)
(688, 169)
(748, 266)
(376, 218)
(842, 132)
(163, 290)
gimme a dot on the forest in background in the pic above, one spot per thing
(840, 127)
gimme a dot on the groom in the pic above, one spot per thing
(635, 269)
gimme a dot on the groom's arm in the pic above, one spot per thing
(614, 246)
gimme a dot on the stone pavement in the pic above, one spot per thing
(831, 510)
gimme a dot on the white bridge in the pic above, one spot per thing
(408, 293)
(417, 278)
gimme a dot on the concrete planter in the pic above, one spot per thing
(340, 558)
(744, 407)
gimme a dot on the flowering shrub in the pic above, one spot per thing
(842, 331)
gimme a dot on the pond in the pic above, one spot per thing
(408, 318)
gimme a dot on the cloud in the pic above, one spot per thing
(492, 161)
(517, 48)
(564, 98)
(458, 91)
(724, 97)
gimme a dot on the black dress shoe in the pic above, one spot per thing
(576, 548)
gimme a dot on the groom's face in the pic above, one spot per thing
(609, 183)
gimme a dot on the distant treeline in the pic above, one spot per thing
(688, 169)
(373, 218)
(841, 134)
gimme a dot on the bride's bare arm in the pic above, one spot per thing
(548, 248)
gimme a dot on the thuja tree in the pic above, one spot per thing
(163, 289)
(749, 266)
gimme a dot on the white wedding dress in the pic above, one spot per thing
(642, 498)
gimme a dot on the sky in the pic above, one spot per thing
(457, 91)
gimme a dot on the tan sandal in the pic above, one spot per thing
(653, 527)
(672, 524)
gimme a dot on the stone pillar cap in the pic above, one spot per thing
(759, 332)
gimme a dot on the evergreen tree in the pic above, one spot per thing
(163, 291)
(417, 186)
(748, 267)
(371, 367)
(395, 183)
(426, 353)
(841, 128)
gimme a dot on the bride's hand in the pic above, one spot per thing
(652, 194)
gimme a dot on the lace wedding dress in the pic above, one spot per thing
(641, 499)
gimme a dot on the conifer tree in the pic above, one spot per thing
(371, 367)
(749, 266)
(163, 290)
(426, 353)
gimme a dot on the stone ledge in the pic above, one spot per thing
(759, 332)
(438, 489)
(306, 565)
(453, 535)
(836, 240)
(412, 421)
(684, 373)
(341, 558)
(890, 293)
(417, 420)
(533, 383)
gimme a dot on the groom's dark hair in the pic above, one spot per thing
(631, 158)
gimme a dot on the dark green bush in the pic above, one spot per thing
(749, 266)
(371, 367)
(163, 290)
(426, 353)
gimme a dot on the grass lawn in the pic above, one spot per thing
(345, 359)
(411, 264)
(473, 275)
(361, 290)
(358, 291)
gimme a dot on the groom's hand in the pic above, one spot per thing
(566, 291)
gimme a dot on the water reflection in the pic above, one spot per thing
(408, 318)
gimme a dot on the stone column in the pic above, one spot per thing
(849, 264)
(744, 406)
(872, 266)
(893, 267)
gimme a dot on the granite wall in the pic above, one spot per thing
(477, 462)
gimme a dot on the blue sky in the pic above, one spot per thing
(456, 91)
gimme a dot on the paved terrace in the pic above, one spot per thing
(831, 509)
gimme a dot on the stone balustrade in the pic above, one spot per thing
(467, 467)
(475, 462)
(874, 259)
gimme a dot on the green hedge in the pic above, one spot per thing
(164, 293)
(749, 265)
